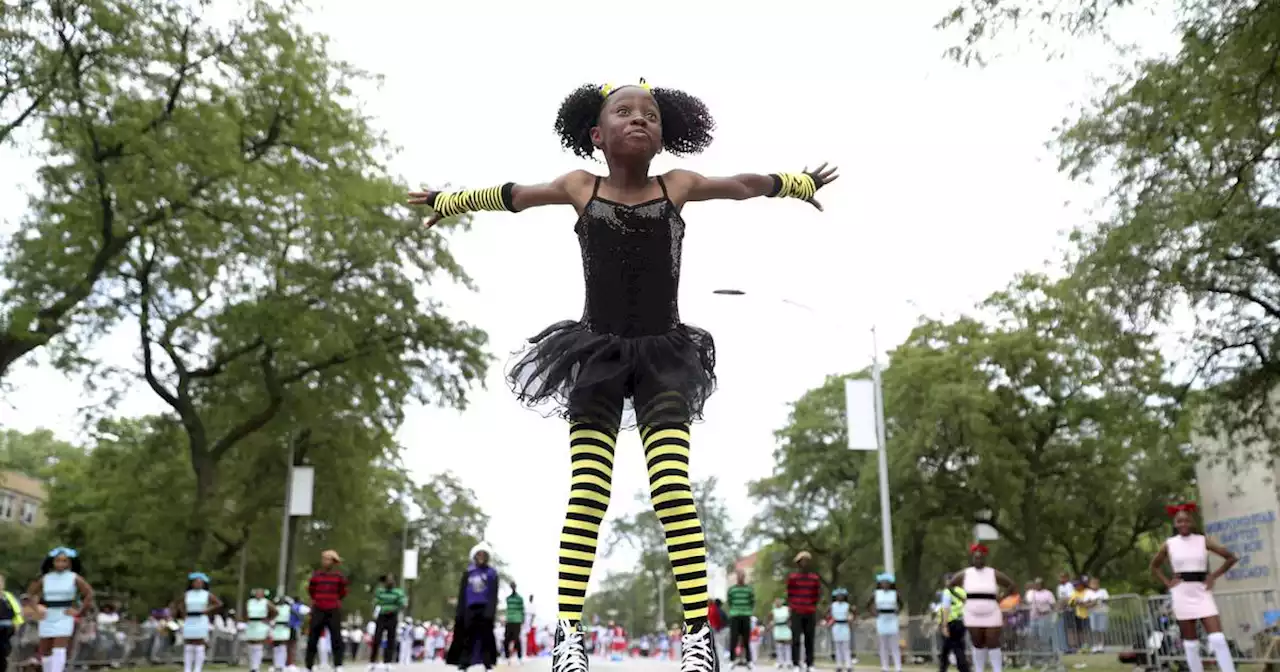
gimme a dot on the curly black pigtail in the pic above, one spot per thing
(686, 123)
(579, 113)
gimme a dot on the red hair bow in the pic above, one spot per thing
(978, 548)
(1189, 507)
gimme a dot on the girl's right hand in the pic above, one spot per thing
(1172, 582)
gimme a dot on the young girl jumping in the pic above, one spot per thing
(1191, 588)
(629, 360)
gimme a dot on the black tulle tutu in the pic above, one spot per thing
(570, 371)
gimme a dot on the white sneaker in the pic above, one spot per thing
(697, 651)
(569, 654)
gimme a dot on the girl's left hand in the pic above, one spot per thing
(72, 612)
(822, 176)
(1208, 582)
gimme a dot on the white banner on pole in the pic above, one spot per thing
(860, 411)
(301, 490)
(410, 570)
(984, 532)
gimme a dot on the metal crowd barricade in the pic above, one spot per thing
(1250, 621)
(126, 646)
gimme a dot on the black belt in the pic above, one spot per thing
(257, 620)
(888, 611)
(59, 603)
(982, 596)
(840, 622)
(1198, 577)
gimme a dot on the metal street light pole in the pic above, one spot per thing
(282, 571)
(886, 523)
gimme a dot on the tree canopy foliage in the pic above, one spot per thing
(1020, 420)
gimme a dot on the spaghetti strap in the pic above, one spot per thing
(596, 190)
(663, 186)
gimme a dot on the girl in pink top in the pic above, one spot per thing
(984, 586)
(1191, 588)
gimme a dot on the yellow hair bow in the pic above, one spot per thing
(607, 89)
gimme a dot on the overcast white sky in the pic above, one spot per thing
(947, 192)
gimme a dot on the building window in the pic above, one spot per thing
(29, 510)
(6, 507)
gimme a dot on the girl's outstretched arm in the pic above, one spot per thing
(688, 186)
(568, 189)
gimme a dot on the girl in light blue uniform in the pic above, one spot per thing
(259, 612)
(886, 606)
(58, 588)
(195, 608)
(841, 629)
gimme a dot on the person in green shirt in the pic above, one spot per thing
(388, 601)
(515, 619)
(742, 603)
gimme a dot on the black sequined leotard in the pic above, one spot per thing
(630, 344)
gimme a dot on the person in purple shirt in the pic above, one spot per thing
(473, 623)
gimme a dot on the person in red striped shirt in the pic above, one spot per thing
(327, 587)
(803, 589)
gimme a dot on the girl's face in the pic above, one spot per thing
(197, 584)
(1183, 523)
(482, 558)
(1094, 584)
(841, 598)
(777, 603)
(61, 563)
(978, 558)
(883, 585)
(630, 125)
(259, 593)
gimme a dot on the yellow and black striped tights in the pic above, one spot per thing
(666, 450)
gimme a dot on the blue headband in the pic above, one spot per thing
(884, 577)
(63, 550)
(198, 575)
(839, 592)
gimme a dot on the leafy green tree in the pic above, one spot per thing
(95, 87)
(1187, 143)
(35, 453)
(808, 503)
(265, 264)
(1021, 421)
(980, 22)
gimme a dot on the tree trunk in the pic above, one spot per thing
(202, 507)
(918, 587)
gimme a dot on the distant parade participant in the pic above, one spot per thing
(532, 648)
(473, 641)
(781, 618)
(885, 605)
(259, 612)
(840, 618)
(742, 603)
(194, 608)
(803, 587)
(59, 585)
(982, 616)
(951, 623)
(404, 638)
(420, 634)
(757, 636)
(388, 601)
(326, 588)
(284, 635)
(514, 624)
(11, 618)
(1191, 588)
